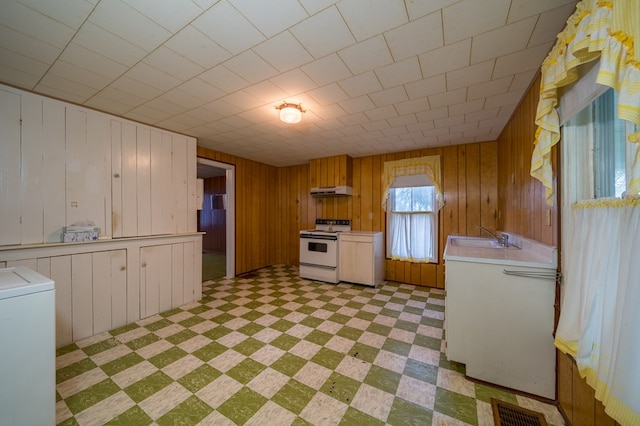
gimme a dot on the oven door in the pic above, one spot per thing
(319, 250)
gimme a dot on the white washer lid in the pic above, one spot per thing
(20, 281)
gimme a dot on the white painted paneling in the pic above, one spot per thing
(99, 146)
(53, 169)
(76, 170)
(102, 301)
(27, 263)
(192, 185)
(116, 179)
(82, 295)
(179, 183)
(143, 167)
(191, 284)
(129, 181)
(61, 274)
(32, 162)
(161, 196)
(9, 168)
(118, 288)
(155, 279)
(44, 266)
(178, 268)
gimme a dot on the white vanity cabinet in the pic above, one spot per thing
(361, 257)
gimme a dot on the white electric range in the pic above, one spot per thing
(319, 250)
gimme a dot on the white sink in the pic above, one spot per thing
(477, 242)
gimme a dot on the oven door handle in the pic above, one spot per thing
(319, 237)
(314, 265)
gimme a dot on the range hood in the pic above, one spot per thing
(325, 191)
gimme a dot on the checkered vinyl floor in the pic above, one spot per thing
(275, 349)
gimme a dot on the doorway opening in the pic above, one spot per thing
(217, 218)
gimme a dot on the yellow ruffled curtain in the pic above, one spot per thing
(598, 29)
(429, 166)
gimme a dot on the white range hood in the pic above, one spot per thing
(331, 190)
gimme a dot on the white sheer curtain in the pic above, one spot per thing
(600, 315)
(404, 243)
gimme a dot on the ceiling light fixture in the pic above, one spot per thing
(290, 113)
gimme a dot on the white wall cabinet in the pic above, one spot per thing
(63, 164)
(110, 283)
(361, 257)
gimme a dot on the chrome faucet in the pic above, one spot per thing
(503, 239)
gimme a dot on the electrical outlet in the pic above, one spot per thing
(548, 217)
(370, 216)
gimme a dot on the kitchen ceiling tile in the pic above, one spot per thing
(361, 84)
(273, 16)
(198, 48)
(216, 69)
(327, 70)
(99, 40)
(471, 17)
(323, 33)
(549, 24)
(226, 26)
(314, 6)
(466, 107)
(266, 92)
(294, 82)
(171, 14)
(427, 86)
(358, 104)
(474, 74)
(87, 78)
(91, 61)
(71, 13)
(329, 94)
(24, 45)
(283, 52)
(521, 9)
(251, 67)
(367, 55)
(152, 76)
(53, 85)
(129, 24)
(389, 96)
(417, 9)
(25, 20)
(381, 16)
(447, 58)
(481, 91)
(401, 72)
(502, 41)
(224, 79)
(382, 113)
(20, 70)
(416, 37)
(172, 63)
(518, 62)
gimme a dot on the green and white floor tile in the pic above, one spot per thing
(275, 349)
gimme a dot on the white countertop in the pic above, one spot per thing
(530, 254)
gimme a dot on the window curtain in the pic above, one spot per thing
(598, 29)
(599, 318)
(406, 225)
(429, 166)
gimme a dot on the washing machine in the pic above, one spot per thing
(27, 348)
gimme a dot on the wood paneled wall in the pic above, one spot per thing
(523, 210)
(470, 185)
(256, 212)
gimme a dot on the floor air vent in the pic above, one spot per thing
(505, 414)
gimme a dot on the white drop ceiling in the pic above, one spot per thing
(374, 76)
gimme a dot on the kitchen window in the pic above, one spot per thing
(412, 196)
(412, 224)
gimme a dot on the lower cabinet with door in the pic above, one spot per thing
(361, 257)
(105, 284)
